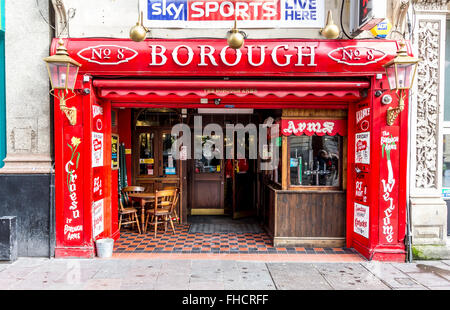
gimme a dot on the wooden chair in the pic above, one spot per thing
(130, 214)
(131, 190)
(175, 215)
(162, 208)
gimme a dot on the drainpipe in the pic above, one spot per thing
(52, 239)
(408, 238)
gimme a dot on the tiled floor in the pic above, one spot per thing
(184, 242)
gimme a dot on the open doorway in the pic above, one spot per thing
(297, 202)
(224, 188)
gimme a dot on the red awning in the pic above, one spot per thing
(155, 90)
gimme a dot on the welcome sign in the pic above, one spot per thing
(222, 13)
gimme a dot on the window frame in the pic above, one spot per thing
(340, 187)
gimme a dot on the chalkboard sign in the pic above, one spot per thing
(114, 152)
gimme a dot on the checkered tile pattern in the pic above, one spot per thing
(216, 243)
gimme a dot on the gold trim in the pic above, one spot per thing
(207, 211)
(392, 113)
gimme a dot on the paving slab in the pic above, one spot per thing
(427, 273)
(113, 269)
(255, 275)
(438, 268)
(103, 284)
(392, 276)
(30, 262)
(244, 275)
(293, 276)
(429, 280)
(6, 284)
(16, 273)
(206, 285)
(349, 277)
(228, 274)
(206, 270)
(4, 266)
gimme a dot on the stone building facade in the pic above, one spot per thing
(428, 209)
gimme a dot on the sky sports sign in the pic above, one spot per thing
(221, 13)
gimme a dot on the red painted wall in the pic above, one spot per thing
(114, 191)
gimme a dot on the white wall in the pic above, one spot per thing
(114, 18)
(28, 112)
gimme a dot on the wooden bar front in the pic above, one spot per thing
(304, 218)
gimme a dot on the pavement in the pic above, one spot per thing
(198, 274)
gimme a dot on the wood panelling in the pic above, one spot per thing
(208, 193)
(268, 204)
(310, 214)
(305, 218)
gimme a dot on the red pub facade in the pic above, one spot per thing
(334, 77)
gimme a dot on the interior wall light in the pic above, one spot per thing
(63, 71)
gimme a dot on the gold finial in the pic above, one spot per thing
(331, 30)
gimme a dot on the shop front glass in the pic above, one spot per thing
(314, 160)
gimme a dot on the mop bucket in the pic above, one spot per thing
(104, 247)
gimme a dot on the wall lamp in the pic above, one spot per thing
(63, 71)
(400, 72)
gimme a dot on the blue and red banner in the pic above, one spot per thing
(222, 13)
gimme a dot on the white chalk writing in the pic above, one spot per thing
(313, 127)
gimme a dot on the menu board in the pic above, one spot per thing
(114, 152)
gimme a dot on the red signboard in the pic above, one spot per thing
(98, 190)
(389, 184)
(73, 191)
(313, 127)
(213, 57)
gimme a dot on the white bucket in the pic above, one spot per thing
(104, 247)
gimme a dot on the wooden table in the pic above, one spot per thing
(143, 198)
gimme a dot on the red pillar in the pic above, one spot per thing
(72, 171)
(377, 190)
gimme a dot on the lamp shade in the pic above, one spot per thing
(401, 70)
(62, 75)
(62, 69)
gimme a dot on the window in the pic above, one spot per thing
(315, 160)
(147, 153)
(446, 163)
(209, 162)
(169, 164)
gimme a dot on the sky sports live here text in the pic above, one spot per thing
(221, 13)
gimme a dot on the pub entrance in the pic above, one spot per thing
(215, 187)
(222, 187)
